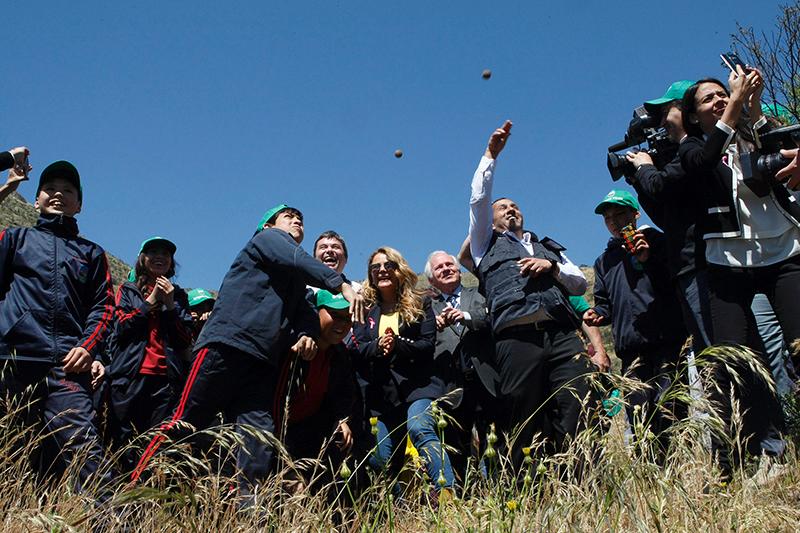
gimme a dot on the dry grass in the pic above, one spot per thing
(620, 487)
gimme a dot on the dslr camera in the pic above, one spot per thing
(760, 166)
(643, 128)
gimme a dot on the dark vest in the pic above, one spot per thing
(510, 296)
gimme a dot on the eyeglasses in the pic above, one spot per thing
(390, 266)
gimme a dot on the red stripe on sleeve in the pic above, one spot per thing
(108, 312)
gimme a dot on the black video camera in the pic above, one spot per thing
(760, 166)
(642, 128)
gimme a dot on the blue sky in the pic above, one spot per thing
(190, 119)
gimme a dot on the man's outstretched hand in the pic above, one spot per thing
(498, 140)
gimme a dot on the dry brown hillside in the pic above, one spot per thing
(16, 211)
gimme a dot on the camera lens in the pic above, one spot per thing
(618, 166)
(770, 164)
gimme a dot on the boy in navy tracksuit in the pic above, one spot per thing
(261, 302)
(56, 304)
(634, 293)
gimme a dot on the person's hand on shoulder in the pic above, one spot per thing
(357, 308)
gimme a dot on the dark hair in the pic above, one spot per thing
(500, 198)
(689, 106)
(143, 276)
(290, 210)
(330, 234)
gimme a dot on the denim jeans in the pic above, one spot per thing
(769, 329)
(420, 426)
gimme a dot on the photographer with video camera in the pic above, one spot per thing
(752, 232)
(671, 189)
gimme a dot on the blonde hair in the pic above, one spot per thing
(409, 299)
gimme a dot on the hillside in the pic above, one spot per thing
(16, 211)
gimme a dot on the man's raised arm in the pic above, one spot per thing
(480, 203)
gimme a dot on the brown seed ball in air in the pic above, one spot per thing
(487, 74)
(398, 154)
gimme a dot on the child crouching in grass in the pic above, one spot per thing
(323, 398)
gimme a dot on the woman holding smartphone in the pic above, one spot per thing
(752, 232)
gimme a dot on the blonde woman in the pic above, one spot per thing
(395, 346)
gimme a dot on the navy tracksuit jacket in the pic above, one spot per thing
(55, 295)
(639, 298)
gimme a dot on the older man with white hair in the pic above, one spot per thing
(464, 350)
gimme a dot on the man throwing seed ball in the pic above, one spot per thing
(526, 282)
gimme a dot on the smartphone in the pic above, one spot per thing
(628, 234)
(732, 60)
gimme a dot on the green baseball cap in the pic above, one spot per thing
(675, 92)
(778, 111)
(271, 213)
(64, 170)
(617, 197)
(152, 241)
(331, 301)
(198, 296)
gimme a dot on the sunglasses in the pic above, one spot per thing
(390, 266)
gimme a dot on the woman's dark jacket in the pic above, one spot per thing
(405, 375)
(702, 159)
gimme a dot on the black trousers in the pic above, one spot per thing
(61, 406)
(242, 388)
(478, 409)
(659, 369)
(533, 366)
(731, 293)
(137, 408)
